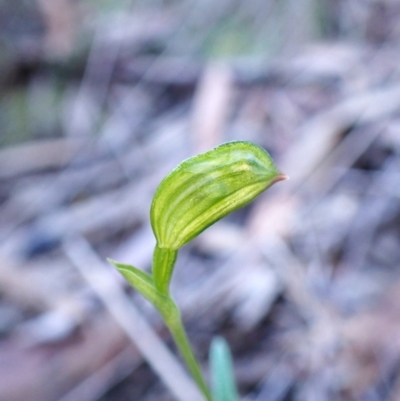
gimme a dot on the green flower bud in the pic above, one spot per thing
(204, 188)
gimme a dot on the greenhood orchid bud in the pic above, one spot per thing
(204, 188)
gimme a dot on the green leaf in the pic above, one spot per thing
(223, 380)
(206, 187)
(139, 280)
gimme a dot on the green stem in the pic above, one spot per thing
(173, 321)
(163, 266)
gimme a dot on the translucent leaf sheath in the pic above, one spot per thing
(205, 188)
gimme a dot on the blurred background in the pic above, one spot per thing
(100, 99)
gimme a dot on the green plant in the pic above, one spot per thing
(197, 193)
(223, 384)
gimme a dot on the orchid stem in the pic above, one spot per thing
(173, 321)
